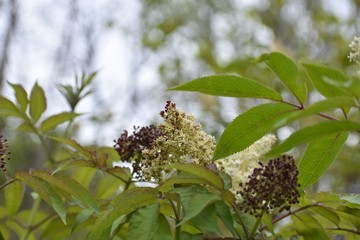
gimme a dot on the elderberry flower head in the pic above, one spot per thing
(240, 165)
(130, 147)
(274, 185)
(4, 153)
(182, 140)
(354, 55)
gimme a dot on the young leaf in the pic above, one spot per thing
(313, 133)
(69, 186)
(13, 197)
(21, 96)
(125, 203)
(287, 71)
(8, 108)
(55, 120)
(318, 157)
(249, 127)
(318, 75)
(229, 86)
(142, 224)
(200, 171)
(37, 102)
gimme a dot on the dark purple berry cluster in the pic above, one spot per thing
(129, 147)
(274, 185)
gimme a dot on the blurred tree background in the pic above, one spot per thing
(143, 47)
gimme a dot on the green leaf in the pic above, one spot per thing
(308, 227)
(197, 203)
(36, 184)
(55, 120)
(143, 222)
(229, 86)
(81, 217)
(200, 171)
(72, 143)
(249, 127)
(223, 211)
(287, 71)
(327, 214)
(207, 221)
(163, 231)
(21, 96)
(13, 197)
(188, 236)
(57, 203)
(351, 198)
(321, 106)
(318, 157)
(8, 108)
(267, 220)
(107, 186)
(73, 163)
(319, 74)
(70, 186)
(125, 203)
(324, 197)
(313, 133)
(45, 191)
(26, 127)
(37, 102)
(226, 178)
(169, 183)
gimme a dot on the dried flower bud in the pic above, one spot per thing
(4, 153)
(274, 185)
(130, 147)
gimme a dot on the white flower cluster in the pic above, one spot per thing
(182, 140)
(240, 165)
(354, 55)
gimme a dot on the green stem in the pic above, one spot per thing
(256, 226)
(176, 210)
(302, 108)
(129, 181)
(34, 210)
(277, 219)
(241, 221)
(8, 183)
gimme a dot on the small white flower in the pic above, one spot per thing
(354, 55)
(241, 164)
